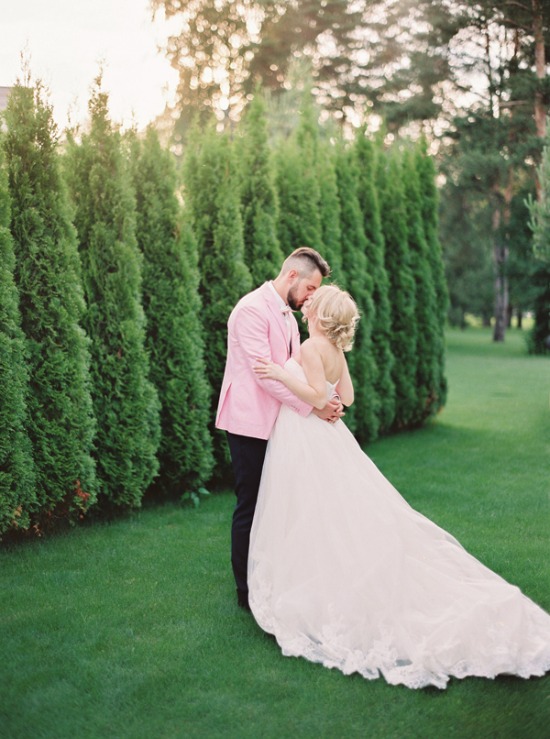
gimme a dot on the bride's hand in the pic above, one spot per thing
(267, 370)
(333, 410)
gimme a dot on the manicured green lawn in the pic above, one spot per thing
(130, 629)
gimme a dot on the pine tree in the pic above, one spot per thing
(17, 479)
(430, 220)
(365, 154)
(172, 308)
(427, 330)
(362, 417)
(402, 287)
(539, 337)
(48, 276)
(125, 401)
(262, 252)
(213, 204)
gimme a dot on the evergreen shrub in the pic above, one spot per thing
(17, 478)
(61, 422)
(175, 342)
(125, 401)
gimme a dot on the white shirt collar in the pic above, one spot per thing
(280, 301)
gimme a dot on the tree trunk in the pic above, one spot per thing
(540, 71)
(540, 66)
(500, 257)
(501, 291)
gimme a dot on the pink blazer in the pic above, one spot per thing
(256, 328)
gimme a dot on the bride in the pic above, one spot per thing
(345, 573)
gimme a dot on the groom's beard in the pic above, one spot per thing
(291, 299)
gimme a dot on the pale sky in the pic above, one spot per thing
(66, 40)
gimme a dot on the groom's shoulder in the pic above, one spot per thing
(255, 298)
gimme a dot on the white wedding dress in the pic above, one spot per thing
(345, 573)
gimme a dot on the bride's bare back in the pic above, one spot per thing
(322, 361)
(332, 358)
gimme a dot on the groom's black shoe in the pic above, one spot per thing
(242, 600)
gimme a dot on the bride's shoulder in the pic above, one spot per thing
(320, 345)
(318, 349)
(310, 353)
(311, 346)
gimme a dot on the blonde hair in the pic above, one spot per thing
(336, 314)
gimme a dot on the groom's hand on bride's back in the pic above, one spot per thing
(333, 410)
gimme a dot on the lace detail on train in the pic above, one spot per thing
(345, 573)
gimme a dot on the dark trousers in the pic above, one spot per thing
(247, 457)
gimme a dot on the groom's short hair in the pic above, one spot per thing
(306, 260)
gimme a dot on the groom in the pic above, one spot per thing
(262, 325)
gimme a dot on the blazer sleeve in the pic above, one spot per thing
(251, 330)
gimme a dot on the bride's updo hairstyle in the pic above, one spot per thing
(336, 314)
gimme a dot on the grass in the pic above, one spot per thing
(130, 629)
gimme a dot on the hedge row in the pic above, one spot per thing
(116, 283)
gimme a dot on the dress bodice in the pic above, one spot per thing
(296, 369)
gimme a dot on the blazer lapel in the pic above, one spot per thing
(275, 309)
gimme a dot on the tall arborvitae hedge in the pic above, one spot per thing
(362, 417)
(172, 308)
(301, 219)
(397, 260)
(427, 330)
(298, 185)
(17, 480)
(329, 210)
(212, 198)
(366, 155)
(125, 401)
(262, 252)
(154, 284)
(430, 221)
(298, 193)
(48, 276)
